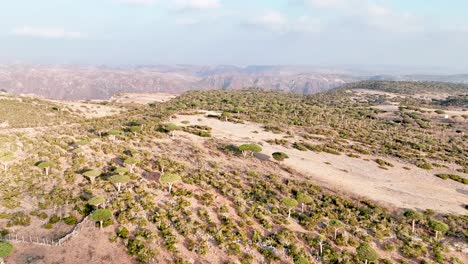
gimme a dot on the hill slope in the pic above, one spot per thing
(81, 82)
(226, 204)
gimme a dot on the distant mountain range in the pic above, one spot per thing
(101, 82)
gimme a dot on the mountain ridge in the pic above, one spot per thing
(74, 82)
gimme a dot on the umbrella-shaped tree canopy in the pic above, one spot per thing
(367, 253)
(101, 215)
(113, 132)
(6, 157)
(120, 170)
(170, 178)
(96, 200)
(92, 174)
(131, 161)
(5, 249)
(45, 164)
(119, 179)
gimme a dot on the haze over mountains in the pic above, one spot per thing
(102, 82)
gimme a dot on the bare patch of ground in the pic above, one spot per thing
(394, 107)
(142, 98)
(89, 110)
(90, 246)
(374, 92)
(427, 96)
(415, 188)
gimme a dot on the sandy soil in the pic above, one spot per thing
(88, 110)
(74, 251)
(373, 92)
(393, 95)
(395, 107)
(451, 115)
(142, 98)
(416, 188)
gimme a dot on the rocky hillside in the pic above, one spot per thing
(100, 83)
(94, 82)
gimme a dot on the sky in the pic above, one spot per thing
(426, 33)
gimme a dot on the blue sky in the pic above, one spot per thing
(241, 32)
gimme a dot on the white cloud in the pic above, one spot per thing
(278, 22)
(186, 21)
(371, 13)
(46, 32)
(137, 2)
(271, 20)
(328, 3)
(196, 4)
(181, 5)
(306, 24)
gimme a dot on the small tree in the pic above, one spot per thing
(45, 165)
(113, 133)
(239, 109)
(135, 129)
(78, 151)
(438, 227)
(367, 253)
(96, 201)
(171, 128)
(5, 250)
(321, 243)
(280, 156)
(226, 115)
(101, 215)
(249, 148)
(290, 203)
(120, 170)
(119, 180)
(303, 199)
(336, 225)
(132, 162)
(413, 216)
(6, 159)
(170, 179)
(92, 174)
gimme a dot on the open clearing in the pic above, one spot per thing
(415, 188)
(89, 110)
(142, 98)
(427, 95)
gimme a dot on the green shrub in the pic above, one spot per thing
(424, 165)
(19, 219)
(299, 146)
(122, 232)
(384, 163)
(453, 177)
(280, 156)
(54, 219)
(70, 220)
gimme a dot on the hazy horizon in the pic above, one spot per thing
(332, 33)
(345, 69)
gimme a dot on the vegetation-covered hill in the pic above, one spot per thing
(22, 112)
(409, 132)
(161, 195)
(410, 88)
